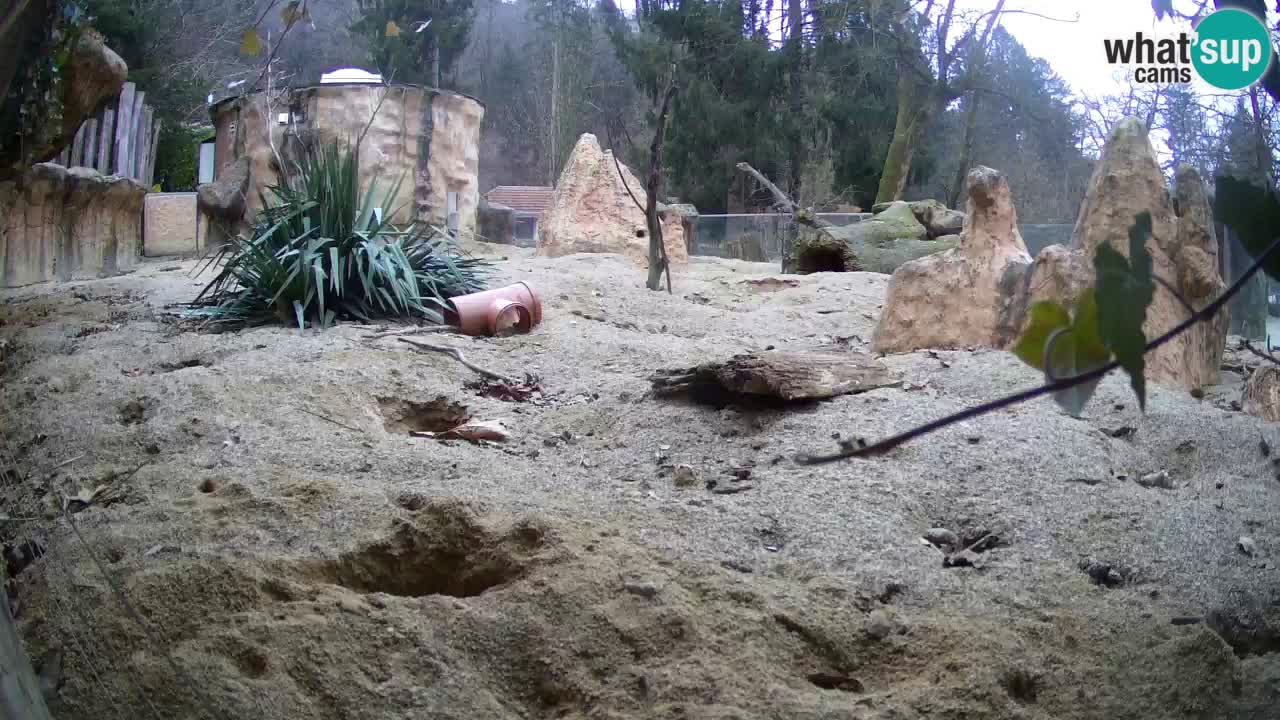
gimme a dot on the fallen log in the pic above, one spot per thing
(776, 375)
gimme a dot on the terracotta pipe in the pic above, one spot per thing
(514, 308)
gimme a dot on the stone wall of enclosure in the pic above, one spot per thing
(68, 224)
(427, 139)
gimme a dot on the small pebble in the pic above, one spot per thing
(879, 625)
(1247, 546)
(643, 589)
(685, 476)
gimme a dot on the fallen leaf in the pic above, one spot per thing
(250, 43)
(393, 30)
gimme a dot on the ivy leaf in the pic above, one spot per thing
(1124, 292)
(393, 30)
(1045, 318)
(1162, 8)
(250, 43)
(1253, 213)
(1063, 345)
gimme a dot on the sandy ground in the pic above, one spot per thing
(294, 553)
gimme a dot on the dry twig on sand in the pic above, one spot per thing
(457, 355)
(417, 330)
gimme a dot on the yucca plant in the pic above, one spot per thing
(320, 251)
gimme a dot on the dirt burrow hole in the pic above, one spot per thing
(445, 550)
(402, 416)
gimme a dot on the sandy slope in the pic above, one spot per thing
(293, 566)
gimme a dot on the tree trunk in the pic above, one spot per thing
(652, 187)
(795, 152)
(966, 151)
(897, 162)
(552, 160)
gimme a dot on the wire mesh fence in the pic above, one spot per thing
(756, 237)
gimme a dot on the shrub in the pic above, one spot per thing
(319, 251)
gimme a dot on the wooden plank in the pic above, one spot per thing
(135, 124)
(124, 126)
(77, 148)
(20, 695)
(151, 153)
(91, 143)
(106, 137)
(139, 144)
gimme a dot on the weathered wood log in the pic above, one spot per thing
(776, 375)
(844, 249)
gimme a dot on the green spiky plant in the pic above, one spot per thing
(320, 251)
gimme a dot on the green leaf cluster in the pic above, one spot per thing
(1105, 322)
(320, 251)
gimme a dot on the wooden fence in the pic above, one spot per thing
(120, 140)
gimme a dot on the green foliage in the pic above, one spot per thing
(1253, 212)
(1107, 321)
(178, 157)
(1063, 345)
(319, 251)
(1125, 290)
(399, 49)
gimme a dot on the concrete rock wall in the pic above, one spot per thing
(170, 225)
(427, 139)
(68, 224)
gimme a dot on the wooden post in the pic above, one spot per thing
(135, 124)
(124, 126)
(139, 143)
(106, 138)
(151, 153)
(77, 148)
(91, 143)
(19, 689)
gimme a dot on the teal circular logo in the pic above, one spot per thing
(1232, 49)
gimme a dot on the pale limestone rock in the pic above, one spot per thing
(68, 224)
(592, 211)
(1183, 251)
(966, 296)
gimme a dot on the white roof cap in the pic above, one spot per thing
(350, 75)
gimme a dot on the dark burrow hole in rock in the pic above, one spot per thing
(822, 261)
(444, 551)
(408, 416)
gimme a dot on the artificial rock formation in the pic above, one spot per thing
(937, 219)
(881, 244)
(967, 295)
(593, 212)
(979, 295)
(1183, 247)
(92, 73)
(68, 224)
(426, 139)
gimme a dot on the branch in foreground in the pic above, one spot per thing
(884, 446)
